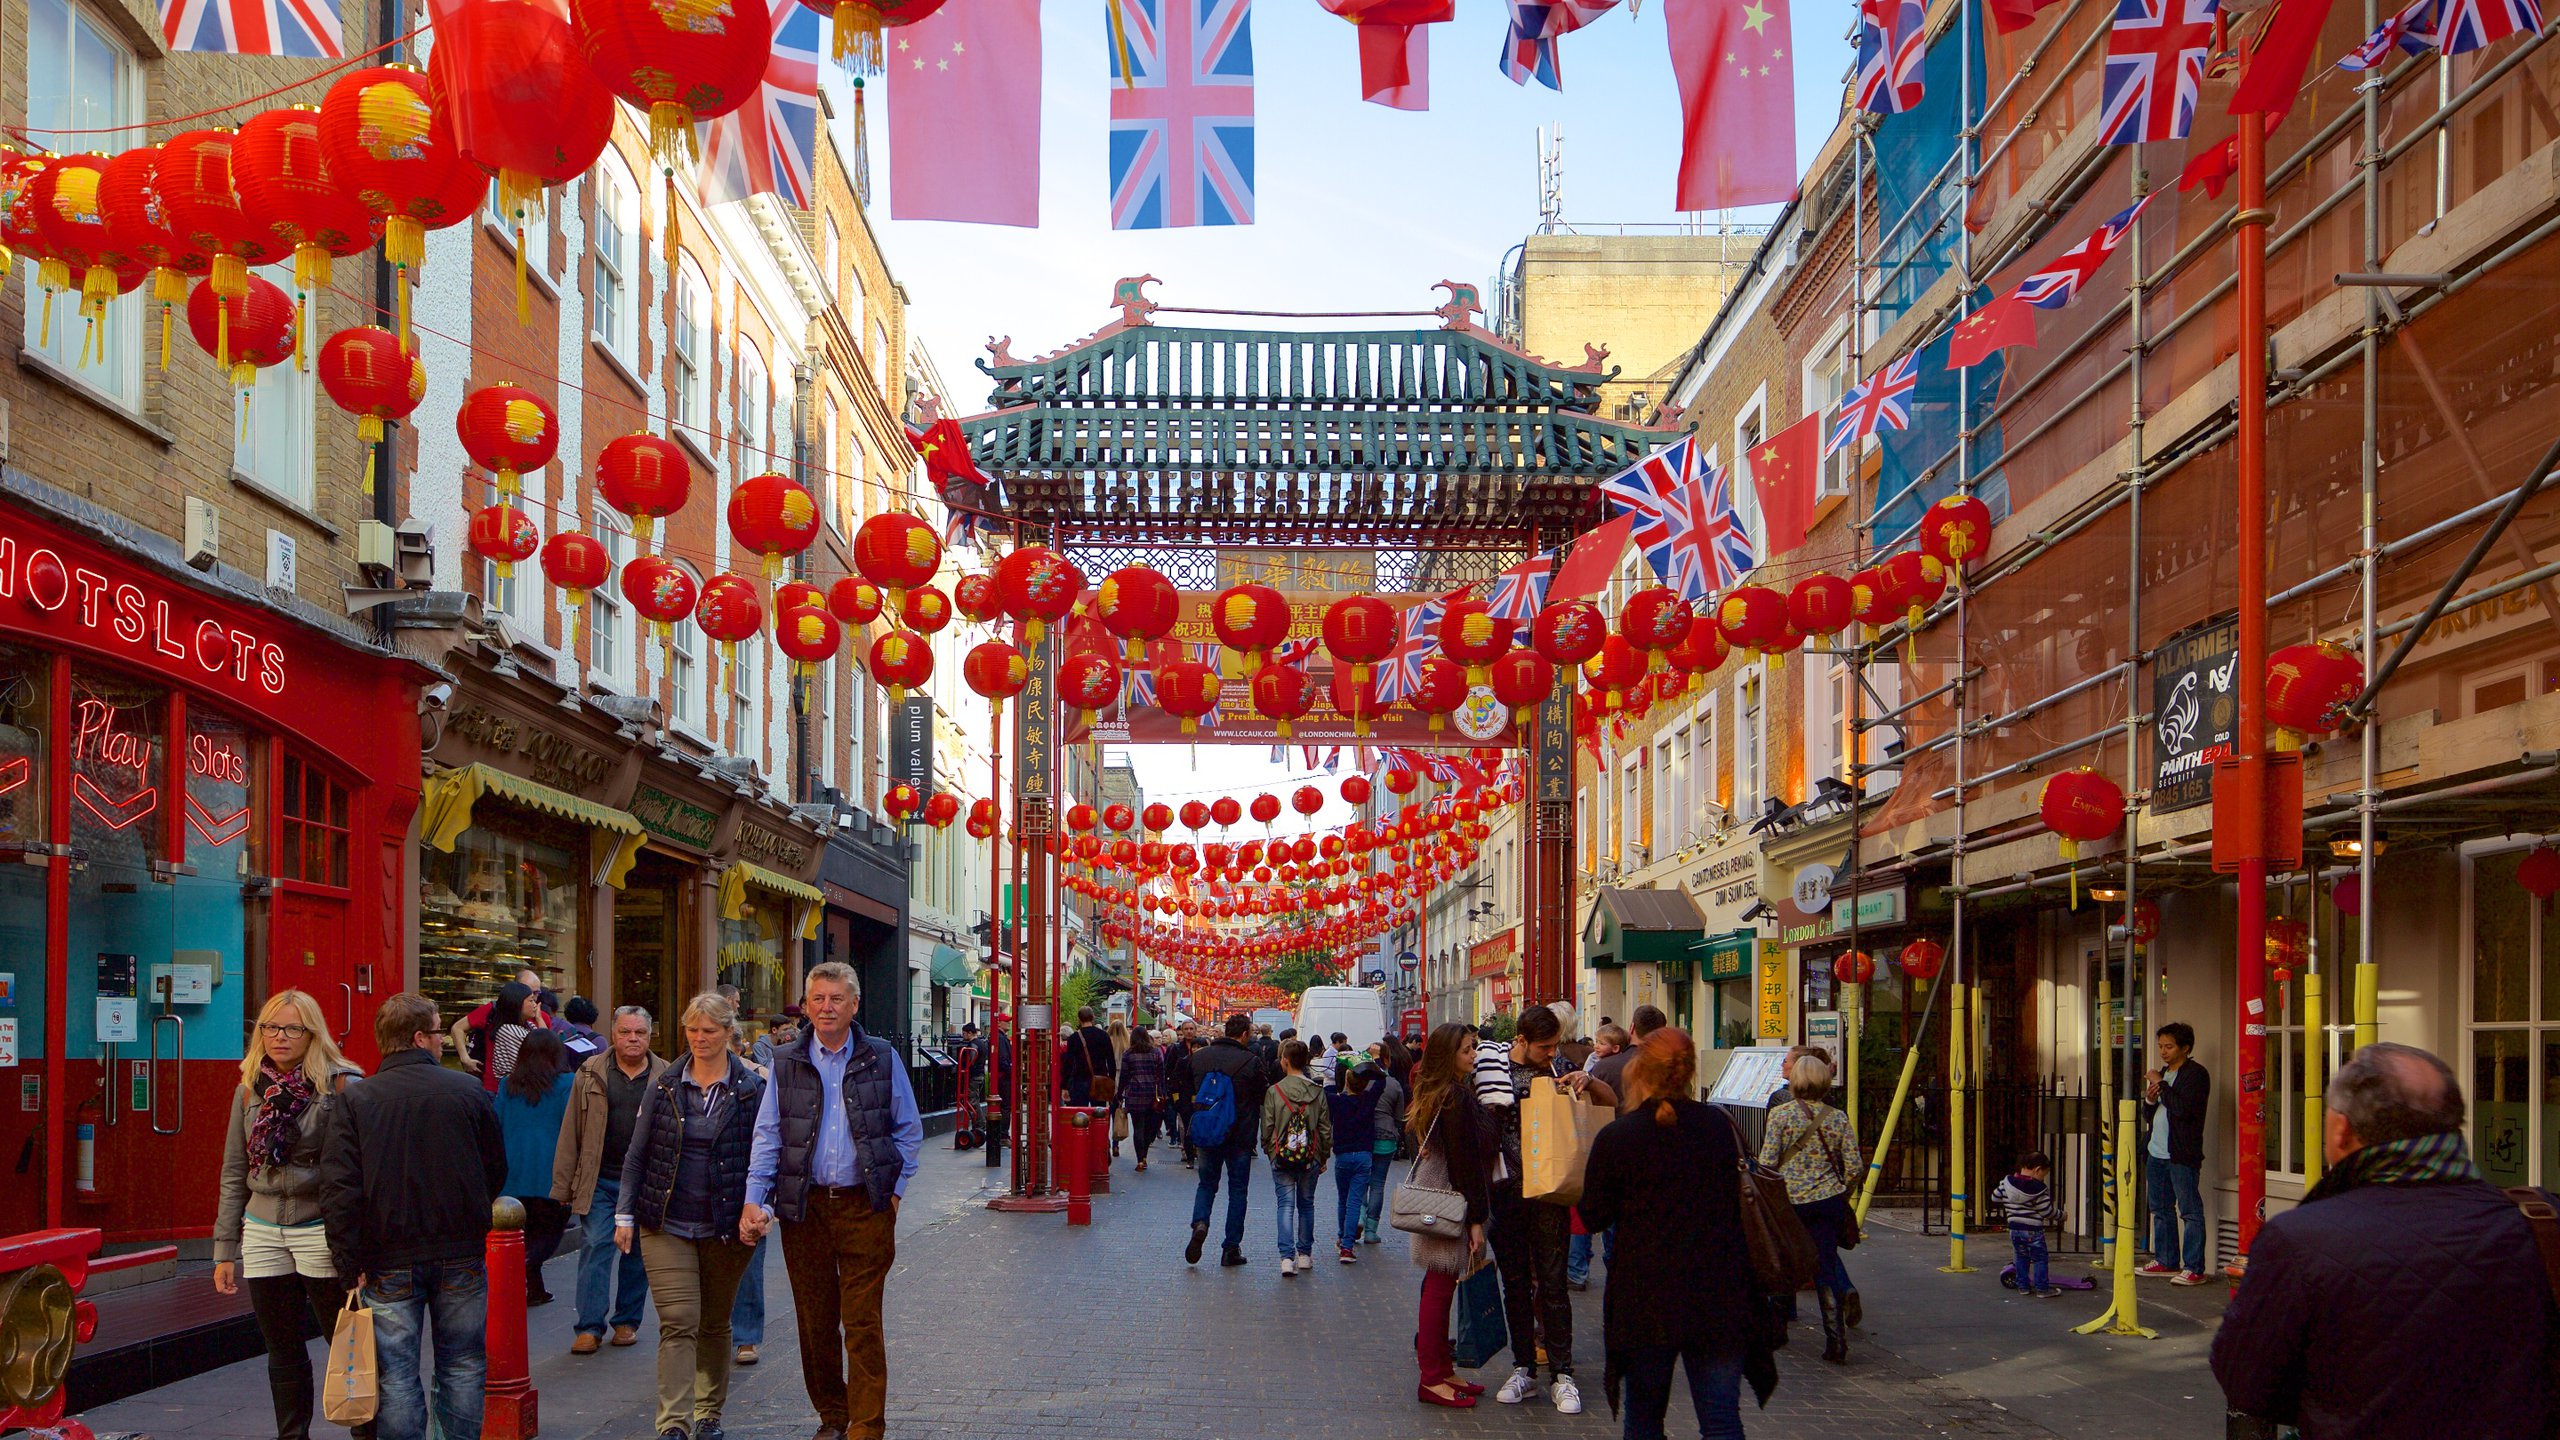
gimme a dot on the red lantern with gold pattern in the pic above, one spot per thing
(896, 552)
(1473, 636)
(1360, 631)
(577, 563)
(1704, 650)
(518, 99)
(1195, 816)
(1186, 690)
(1869, 604)
(137, 224)
(679, 62)
(282, 176)
(854, 601)
(199, 202)
(1250, 620)
(729, 610)
(508, 429)
(1439, 691)
(2083, 807)
(798, 595)
(775, 517)
(1157, 817)
(982, 821)
(65, 201)
(1615, 670)
(1653, 620)
(1354, 692)
(1821, 605)
(1306, 800)
(1355, 789)
(1080, 817)
(1037, 587)
(1523, 680)
(1137, 605)
(1854, 967)
(1224, 811)
(1265, 809)
(901, 661)
(659, 591)
(1090, 681)
(1912, 583)
(926, 610)
(256, 327)
(1753, 618)
(379, 135)
(2309, 690)
(1282, 694)
(370, 377)
(974, 596)
(941, 808)
(1118, 819)
(995, 670)
(1956, 530)
(504, 536)
(1921, 959)
(1568, 632)
(902, 801)
(645, 476)
(1401, 782)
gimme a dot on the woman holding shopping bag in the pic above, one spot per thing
(1810, 1144)
(1454, 1156)
(267, 1227)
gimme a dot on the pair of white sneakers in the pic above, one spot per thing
(1523, 1385)
(1297, 1265)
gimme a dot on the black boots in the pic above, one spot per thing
(293, 1404)
(1835, 1327)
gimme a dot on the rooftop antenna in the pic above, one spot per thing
(1550, 179)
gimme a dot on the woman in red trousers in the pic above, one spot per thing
(1457, 1147)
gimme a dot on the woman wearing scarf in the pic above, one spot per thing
(268, 1227)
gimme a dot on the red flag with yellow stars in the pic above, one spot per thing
(1784, 471)
(2005, 321)
(1736, 65)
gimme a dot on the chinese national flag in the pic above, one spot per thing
(1592, 560)
(1784, 469)
(1736, 67)
(2005, 321)
(964, 114)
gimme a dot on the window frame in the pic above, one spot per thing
(115, 377)
(689, 354)
(1826, 380)
(614, 210)
(605, 610)
(295, 391)
(688, 678)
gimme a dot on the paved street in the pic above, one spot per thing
(1019, 1326)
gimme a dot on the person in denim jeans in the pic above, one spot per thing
(406, 1178)
(1231, 1156)
(604, 1103)
(1297, 1133)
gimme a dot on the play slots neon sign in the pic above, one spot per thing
(118, 754)
(140, 619)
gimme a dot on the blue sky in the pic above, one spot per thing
(1361, 207)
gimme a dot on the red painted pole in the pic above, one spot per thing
(513, 1407)
(2249, 231)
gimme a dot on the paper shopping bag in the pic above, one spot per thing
(349, 1393)
(1556, 1131)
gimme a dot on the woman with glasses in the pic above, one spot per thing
(268, 1228)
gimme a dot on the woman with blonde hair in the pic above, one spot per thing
(1810, 1143)
(267, 1228)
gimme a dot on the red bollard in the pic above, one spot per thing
(1077, 1134)
(512, 1410)
(1098, 1147)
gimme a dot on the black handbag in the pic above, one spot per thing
(1781, 1249)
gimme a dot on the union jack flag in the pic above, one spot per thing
(304, 28)
(1401, 673)
(1710, 548)
(1893, 48)
(2470, 24)
(1182, 132)
(2155, 66)
(769, 145)
(1645, 487)
(1520, 590)
(1529, 45)
(2058, 282)
(2413, 31)
(1882, 403)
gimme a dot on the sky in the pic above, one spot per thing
(1359, 207)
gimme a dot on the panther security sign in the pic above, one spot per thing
(2196, 714)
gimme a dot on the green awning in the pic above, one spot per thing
(950, 967)
(448, 799)
(1729, 955)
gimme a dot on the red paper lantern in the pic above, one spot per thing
(901, 661)
(729, 610)
(282, 176)
(577, 563)
(644, 476)
(926, 610)
(137, 224)
(1306, 800)
(1912, 583)
(798, 595)
(1037, 587)
(896, 552)
(808, 634)
(1157, 817)
(65, 201)
(1753, 618)
(1118, 818)
(1703, 650)
(1360, 631)
(1473, 636)
(1282, 694)
(508, 429)
(197, 198)
(940, 809)
(2082, 806)
(995, 670)
(2144, 926)
(1089, 680)
(659, 591)
(1355, 789)
(1955, 530)
(974, 596)
(1615, 670)
(1922, 959)
(379, 135)
(1250, 620)
(1354, 692)
(1137, 606)
(1821, 605)
(1080, 817)
(256, 328)
(1854, 967)
(1195, 816)
(2539, 872)
(1568, 632)
(1869, 603)
(681, 63)
(1187, 690)
(1653, 620)
(518, 99)
(2288, 946)
(901, 800)
(854, 601)
(1265, 808)
(1523, 680)
(775, 517)
(504, 536)
(370, 377)
(1440, 690)
(982, 820)
(1224, 811)
(2309, 690)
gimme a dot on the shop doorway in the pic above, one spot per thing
(651, 967)
(2511, 1031)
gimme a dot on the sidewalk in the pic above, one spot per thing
(1013, 1325)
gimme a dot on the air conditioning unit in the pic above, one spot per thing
(377, 553)
(204, 533)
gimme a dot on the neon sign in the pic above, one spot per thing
(143, 621)
(98, 742)
(217, 758)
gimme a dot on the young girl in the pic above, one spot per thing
(1297, 1133)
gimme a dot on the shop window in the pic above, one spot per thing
(210, 917)
(2514, 1035)
(25, 919)
(752, 958)
(313, 838)
(81, 82)
(507, 898)
(24, 711)
(1749, 745)
(274, 440)
(117, 769)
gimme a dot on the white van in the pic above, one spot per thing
(1359, 1012)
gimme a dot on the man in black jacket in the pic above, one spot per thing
(1232, 1156)
(1085, 1055)
(407, 1171)
(2175, 1097)
(2404, 1297)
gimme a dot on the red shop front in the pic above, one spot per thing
(203, 800)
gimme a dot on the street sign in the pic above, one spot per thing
(911, 742)
(1035, 719)
(2195, 713)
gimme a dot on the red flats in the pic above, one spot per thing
(1461, 1400)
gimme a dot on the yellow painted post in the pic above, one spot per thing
(2107, 1199)
(2120, 1317)
(1901, 1093)
(1851, 994)
(2315, 1056)
(1958, 1047)
(1974, 1071)
(2368, 1003)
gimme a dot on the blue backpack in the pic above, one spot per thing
(1213, 1109)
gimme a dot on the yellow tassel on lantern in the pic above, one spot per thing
(2071, 852)
(859, 46)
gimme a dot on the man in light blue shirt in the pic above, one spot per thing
(836, 1142)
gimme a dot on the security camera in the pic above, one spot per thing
(435, 697)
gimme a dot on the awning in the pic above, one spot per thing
(807, 899)
(949, 967)
(1729, 956)
(448, 799)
